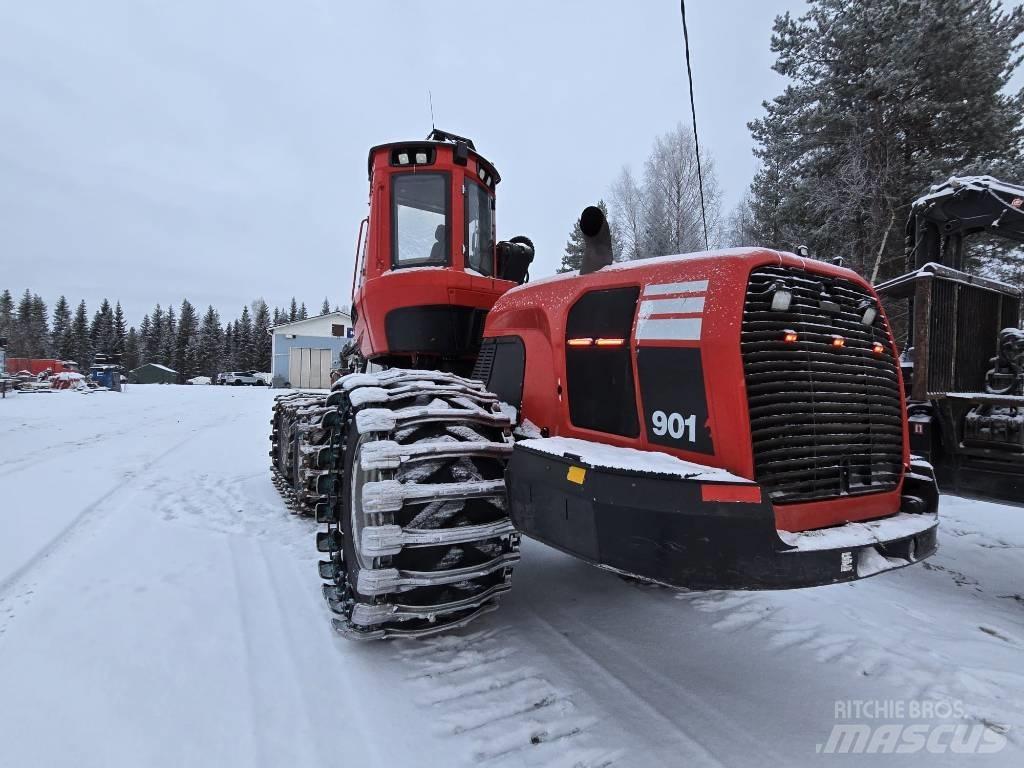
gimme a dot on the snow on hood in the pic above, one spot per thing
(630, 459)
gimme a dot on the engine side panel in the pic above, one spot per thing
(689, 380)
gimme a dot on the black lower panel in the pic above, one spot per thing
(434, 330)
(660, 528)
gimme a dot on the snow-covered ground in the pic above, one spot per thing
(160, 607)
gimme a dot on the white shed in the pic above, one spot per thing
(303, 352)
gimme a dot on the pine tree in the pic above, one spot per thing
(261, 336)
(190, 359)
(120, 330)
(61, 333)
(572, 259)
(144, 340)
(168, 338)
(81, 344)
(6, 315)
(293, 311)
(277, 316)
(39, 328)
(154, 339)
(303, 314)
(187, 333)
(211, 345)
(244, 351)
(884, 98)
(101, 333)
(132, 346)
(228, 357)
(325, 308)
(20, 343)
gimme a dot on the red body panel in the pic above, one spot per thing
(537, 313)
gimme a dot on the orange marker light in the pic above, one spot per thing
(878, 348)
(580, 342)
(838, 341)
(610, 342)
(791, 337)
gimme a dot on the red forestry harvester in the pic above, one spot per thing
(718, 420)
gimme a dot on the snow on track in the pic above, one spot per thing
(159, 606)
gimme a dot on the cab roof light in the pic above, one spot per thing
(403, 158)
(421, 158)
(580, 342)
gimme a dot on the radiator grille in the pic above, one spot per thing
(825, 421)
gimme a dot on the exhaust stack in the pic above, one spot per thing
(597, 240)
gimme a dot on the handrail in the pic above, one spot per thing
(356, 263)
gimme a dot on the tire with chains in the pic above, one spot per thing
(404, 471)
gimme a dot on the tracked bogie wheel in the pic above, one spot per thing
(300, 457)
(416, 529)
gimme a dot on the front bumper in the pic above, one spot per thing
(683, 531)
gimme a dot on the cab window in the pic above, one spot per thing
(420, 221)
(479, 229)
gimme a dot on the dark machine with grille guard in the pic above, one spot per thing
(963, 359)
(716, 420)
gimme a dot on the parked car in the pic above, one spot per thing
(240, 378)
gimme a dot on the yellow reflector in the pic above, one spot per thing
(576, 475)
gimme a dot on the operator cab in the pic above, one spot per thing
(428, 267)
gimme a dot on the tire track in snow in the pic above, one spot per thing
(246, 629)
(223, 504)
(508, 715)
(630, 679)
(313, 656)
(880, 650)
(73, 528)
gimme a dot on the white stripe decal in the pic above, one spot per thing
(662, 289)
(673, 329)
(689, 305)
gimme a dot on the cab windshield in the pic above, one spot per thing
(420, 220)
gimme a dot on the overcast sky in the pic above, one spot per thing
(216, 149)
